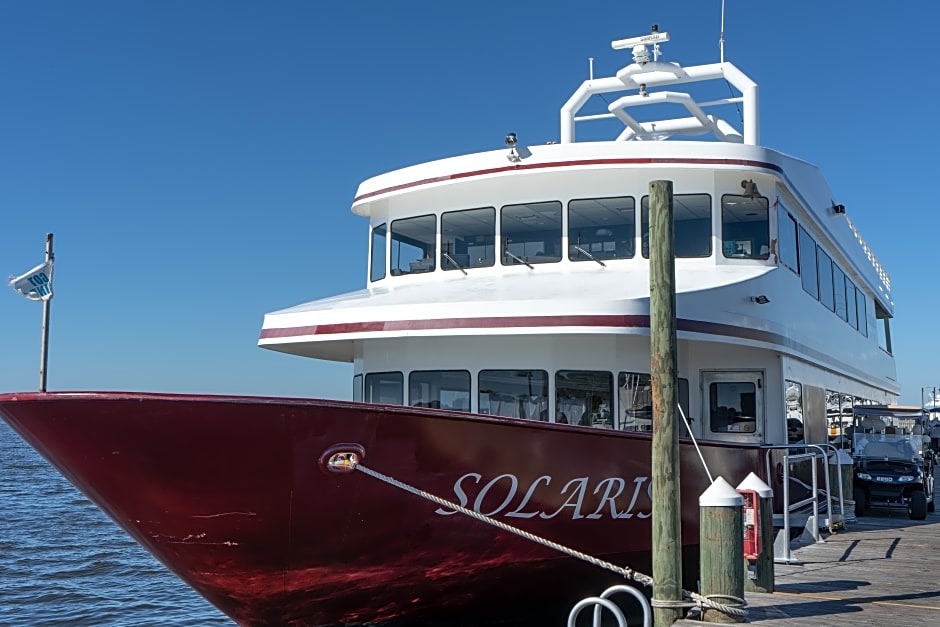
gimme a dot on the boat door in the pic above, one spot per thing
(733, 405)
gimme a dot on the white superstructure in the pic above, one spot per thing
(515, 281)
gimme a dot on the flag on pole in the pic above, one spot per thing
(35, 284)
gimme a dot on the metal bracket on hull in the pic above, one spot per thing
(341, 458)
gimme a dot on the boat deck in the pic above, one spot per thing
(881, 570)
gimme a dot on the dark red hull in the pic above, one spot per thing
(231, 495)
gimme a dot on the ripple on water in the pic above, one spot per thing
(63, 562)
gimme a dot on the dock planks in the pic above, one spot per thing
(881, 570)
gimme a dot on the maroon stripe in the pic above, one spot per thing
(613, 321)
(506, 322)
(579, 162)
(461, 323)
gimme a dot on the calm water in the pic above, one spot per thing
(63, 562)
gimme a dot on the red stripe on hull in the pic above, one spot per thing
(228, 494)
(750, 163)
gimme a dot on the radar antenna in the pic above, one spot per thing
(638, 44)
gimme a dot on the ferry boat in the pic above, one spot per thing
(501, 362)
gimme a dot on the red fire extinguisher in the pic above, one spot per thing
(751, 513)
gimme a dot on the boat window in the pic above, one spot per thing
(839, 416)
(357, 388)
(584, 397)
(384, 388)
(808, 263)
(786, 240)
(838, 286)
(601, 228)
(824, 272)
(850, 305)
(794, 400)
(446, 389)
(635, 402)
(692, 223)
(531, 233)
(862, 306)
(468, 238)
(745, 227)
(732, 406)
(883, 329)
(514, 393)
(377, 270)
(413, 245)
(684, 404)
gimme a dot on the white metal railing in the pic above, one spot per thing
(644, 75)
(816, 453)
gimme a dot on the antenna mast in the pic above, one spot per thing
(721, 39)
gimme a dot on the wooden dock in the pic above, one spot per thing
(881, 570)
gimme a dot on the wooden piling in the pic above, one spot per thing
(721, 548)
(667, 543)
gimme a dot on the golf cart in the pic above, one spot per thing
(894, 465)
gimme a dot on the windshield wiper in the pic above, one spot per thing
(589, 255)
(453, 261)
(519, 259)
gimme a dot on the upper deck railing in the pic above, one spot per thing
(648, 72)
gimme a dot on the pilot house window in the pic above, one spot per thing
(786, 227)
(745, 227)
(413, 245)
(377, 270)
(692, 223)
(531, 233)
(468, 239)
(601, 228)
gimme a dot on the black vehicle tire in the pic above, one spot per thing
(917, 506)
(861, 502)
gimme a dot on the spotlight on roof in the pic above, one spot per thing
(760, 299)
(838, 209)
(511, 144)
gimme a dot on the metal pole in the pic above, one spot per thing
(667, 543)
(46, 306)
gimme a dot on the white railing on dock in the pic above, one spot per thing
(816, 453)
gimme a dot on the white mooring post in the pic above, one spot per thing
(721, 549)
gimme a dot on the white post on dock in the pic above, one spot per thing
(722, 548)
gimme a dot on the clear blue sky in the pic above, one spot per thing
(196, 159)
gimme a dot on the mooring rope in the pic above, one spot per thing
(688, 428)
(691, 599)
